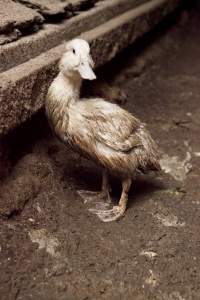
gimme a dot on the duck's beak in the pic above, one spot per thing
(85, 69)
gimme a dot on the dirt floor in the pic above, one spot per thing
(52, 247)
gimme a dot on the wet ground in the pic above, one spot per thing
(52, 247)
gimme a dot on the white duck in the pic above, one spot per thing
(100, 130)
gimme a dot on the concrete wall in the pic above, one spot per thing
(29, 64)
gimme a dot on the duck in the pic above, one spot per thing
(99, 130)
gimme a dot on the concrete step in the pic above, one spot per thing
(54, 8)
(23, 88)
(52, 35)
(15, 19)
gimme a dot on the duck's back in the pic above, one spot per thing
(111, 136)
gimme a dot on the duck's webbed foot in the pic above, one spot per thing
(116, 212)
(109, 215)
(98, 200)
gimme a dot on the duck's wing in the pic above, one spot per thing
(111, 125)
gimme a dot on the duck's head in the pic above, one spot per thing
(77, 61)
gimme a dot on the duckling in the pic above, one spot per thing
(99, 130)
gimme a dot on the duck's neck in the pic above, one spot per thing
(68, 88)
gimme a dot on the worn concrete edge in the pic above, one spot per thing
(130, 26)
(53, 9)
(24, 87)
(51, 35)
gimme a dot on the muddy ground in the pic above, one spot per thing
(52, 247)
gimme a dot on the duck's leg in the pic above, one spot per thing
(117, 211)
(105, 187)
(100, 199)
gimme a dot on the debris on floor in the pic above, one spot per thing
(45, 241)
(169, 220)
(177, 168)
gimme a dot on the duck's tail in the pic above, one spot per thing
(151, 154)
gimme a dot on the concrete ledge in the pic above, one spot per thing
(51, 8)
(15, 19)
(110, 38)
(51, 35)
(23, 88)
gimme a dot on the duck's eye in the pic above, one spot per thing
(74, 51)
